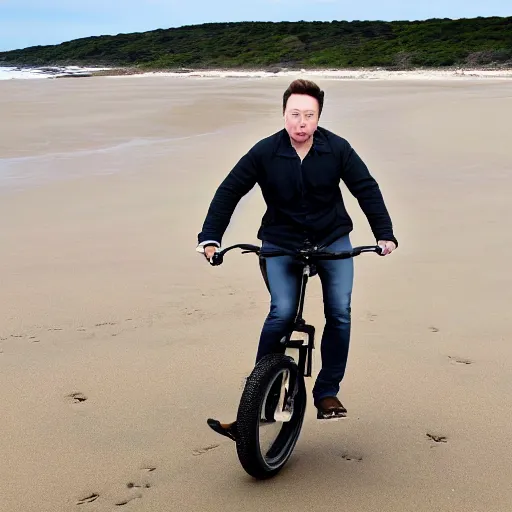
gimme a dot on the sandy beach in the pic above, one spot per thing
(118, 341)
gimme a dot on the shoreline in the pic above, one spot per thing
(335, 74)
(57, 72)
(328, 73)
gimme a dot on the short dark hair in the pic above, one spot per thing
(307, 87)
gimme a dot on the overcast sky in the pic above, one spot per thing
(32, 22)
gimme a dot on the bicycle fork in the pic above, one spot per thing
(301, 350)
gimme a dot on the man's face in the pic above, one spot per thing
(301, 117)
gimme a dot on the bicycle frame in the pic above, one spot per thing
(305, 359)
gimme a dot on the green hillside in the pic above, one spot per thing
(401, 44)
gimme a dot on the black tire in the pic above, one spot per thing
(249, 413)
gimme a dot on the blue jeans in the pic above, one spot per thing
(284, 282)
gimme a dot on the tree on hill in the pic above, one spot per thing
(340, 44)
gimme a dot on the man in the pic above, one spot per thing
(299, 170)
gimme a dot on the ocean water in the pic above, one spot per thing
(11, 73)
(129, 156)
(24, 172)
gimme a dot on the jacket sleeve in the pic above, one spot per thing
(365, 189)
(237, 183)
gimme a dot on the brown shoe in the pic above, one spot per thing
(330, 407)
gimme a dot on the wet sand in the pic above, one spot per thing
(118, 340)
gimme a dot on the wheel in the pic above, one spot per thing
(270, 415)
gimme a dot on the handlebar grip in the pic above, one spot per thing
(217, 259)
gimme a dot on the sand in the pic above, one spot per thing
(118, 340)
(322, 74)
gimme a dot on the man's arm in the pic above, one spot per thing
(237, 183)
(364, 188)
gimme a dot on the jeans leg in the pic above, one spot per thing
(337, 279)
(284, 283)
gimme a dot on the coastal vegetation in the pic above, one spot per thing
(250, 45)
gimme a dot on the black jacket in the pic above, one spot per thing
(304, 201)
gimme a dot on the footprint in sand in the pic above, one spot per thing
(460, 360)
(437, 438)
(134, 492)
(131, 485)
(137, 496)
(33, 339)
(76, 398)
(88, 499)
(206, 449)
(102, 324)
(355, 458)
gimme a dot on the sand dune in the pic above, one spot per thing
(118, 340)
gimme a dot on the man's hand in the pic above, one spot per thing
(209, 251)
(387, 246)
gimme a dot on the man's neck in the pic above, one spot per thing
(302, 146)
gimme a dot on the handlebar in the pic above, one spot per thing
(305, 255)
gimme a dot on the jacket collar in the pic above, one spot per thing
(285, 148)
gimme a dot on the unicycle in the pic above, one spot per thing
(273, 403)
